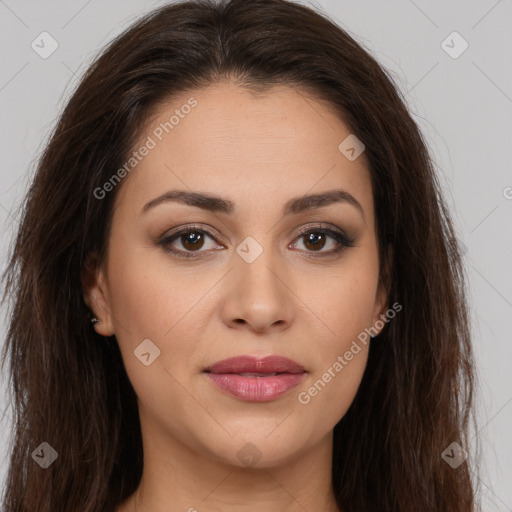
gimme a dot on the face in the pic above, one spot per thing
(257, 272)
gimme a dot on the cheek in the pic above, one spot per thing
(345, 299)
(330, 392)
(344, 303)
(339, 361)
(151, 298)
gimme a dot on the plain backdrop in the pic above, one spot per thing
(461, 97)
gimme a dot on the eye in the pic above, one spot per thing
(191, 239)
(314, 239)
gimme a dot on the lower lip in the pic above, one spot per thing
(256, 389)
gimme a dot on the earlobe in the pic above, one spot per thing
(96, 296)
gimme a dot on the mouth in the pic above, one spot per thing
(254, 366)
(256, 380)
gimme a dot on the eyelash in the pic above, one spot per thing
(340, 237)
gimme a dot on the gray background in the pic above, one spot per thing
(463, 106)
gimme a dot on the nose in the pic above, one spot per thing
(257, 296)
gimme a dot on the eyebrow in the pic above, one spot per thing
(215, 203)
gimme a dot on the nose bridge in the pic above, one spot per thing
(257, 262)
(257, 294)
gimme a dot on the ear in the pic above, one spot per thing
(94, 285)
(383, 291)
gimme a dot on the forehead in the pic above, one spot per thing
(257, 150)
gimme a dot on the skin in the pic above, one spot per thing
(258, 152)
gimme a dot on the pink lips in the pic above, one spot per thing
(256, 380)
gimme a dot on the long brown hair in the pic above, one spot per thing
(70, 388)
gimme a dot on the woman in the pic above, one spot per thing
(236, 283)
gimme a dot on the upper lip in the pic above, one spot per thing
(252, 364)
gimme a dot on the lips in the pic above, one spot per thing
(248, 364)
(256, 380)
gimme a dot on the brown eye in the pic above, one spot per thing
(314, 240)
(191, 239)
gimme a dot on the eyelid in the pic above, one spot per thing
(176, 232)
(320, 225)
(191, 227)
